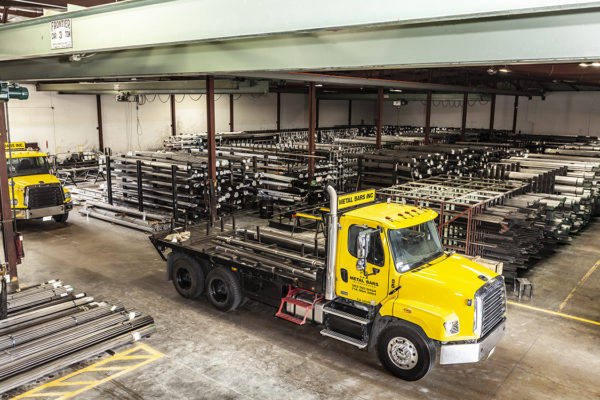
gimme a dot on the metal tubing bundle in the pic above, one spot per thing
(45, 335)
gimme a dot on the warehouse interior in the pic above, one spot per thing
(399, 201)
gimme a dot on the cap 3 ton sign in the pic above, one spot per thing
(60, 34)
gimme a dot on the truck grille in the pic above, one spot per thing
(493, 298)
(46, 195)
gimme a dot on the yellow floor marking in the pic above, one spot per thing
(151, 355)
(587, 275)
(559, 314)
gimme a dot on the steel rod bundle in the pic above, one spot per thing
(40, 338)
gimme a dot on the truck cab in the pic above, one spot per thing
(415, 297)
(34, 191)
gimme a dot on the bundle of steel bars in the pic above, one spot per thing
(48, 328)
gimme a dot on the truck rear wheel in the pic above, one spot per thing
(223, 289)
(187, 275)
(406, 352)
(61, 217)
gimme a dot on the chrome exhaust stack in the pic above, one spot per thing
(331, 244)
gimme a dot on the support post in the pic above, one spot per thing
(428, 118)
(278, 111)
(230, 113)
(463, 126)
(173, 117)
(109, 181)
(312, 121)
(174, 191)
(317, 112)
(350, 112)
(100, 131)
(211, 144)
(140, 192)
(6, 222)
(492, 113)
(379, 117)
(516, 110)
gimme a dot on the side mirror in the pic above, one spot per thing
(363, 241)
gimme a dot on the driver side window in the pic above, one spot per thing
(376, 256)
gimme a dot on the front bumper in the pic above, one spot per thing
(472, 352)
(26, 213)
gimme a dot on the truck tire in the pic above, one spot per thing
(61, 217)
(223, 289)
(187, 275)
(406, 351)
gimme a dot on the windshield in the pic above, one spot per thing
(22, 166)
(414, 246)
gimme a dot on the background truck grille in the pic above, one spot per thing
(494, 305)
(41, 196)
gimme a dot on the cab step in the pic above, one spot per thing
(344, 338)
(342, 314)
(291, 298)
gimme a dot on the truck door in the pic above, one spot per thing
(371, 285)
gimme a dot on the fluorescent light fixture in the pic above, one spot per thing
(584, 65)
(504, 70)
(318, 85)
(396, 90)
(596, 64)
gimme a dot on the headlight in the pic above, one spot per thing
(67, 195)
(451, 327)
(477, 316)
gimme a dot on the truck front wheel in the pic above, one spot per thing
(406, 352)
(187, 274)
(61, 217)
(223, 289)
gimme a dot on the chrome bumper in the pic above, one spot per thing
(42, 212)
(472, 352)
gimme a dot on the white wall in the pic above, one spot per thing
(63, 123)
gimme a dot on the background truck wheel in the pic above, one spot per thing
(406, 352)
(187, 275)
(61, 217)
(223, 289)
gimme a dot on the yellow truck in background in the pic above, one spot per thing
(34, 191)
(383, 282)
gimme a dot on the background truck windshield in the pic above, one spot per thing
(414, 246)
(22, 166)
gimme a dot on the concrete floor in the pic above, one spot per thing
(251, 354)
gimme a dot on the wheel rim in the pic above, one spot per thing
(403, 353)
(219, 291)
(183, 278)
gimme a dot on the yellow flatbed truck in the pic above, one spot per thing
(382, 283)
(35, 192)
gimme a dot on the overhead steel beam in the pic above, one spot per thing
(179, 20)
(351, 36)
(156, 87)
(327, 79)
(404, 96)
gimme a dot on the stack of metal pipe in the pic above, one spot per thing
(38, 338)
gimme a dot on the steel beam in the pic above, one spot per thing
(230, 113)
(211, 146)
(278, 111)
(515, 111)
(404, 96)
(156, 87)
(173, 116)
(349, 112)
(100, 130)
(379, 117)
(492, 113)
(339, 36)
(6, 217)
(312, 122)
(463, 125)
(428, 118)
